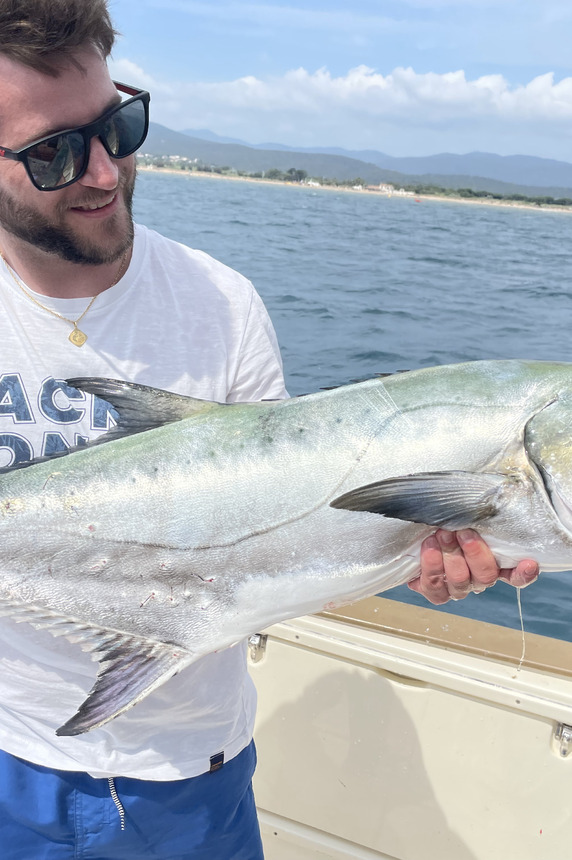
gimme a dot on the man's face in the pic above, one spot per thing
(89, 222)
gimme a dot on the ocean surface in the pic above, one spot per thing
(358, 284)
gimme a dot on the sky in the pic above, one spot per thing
(405, 77)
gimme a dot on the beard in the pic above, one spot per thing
(52, 236)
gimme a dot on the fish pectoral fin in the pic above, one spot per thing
(140, 407)
(451, 500)
(131, 667)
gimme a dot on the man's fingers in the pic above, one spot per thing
(431, 583)
(522, 575)
(457, 572)
(455, 563)
(480, 560)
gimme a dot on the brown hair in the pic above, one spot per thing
(41, 33)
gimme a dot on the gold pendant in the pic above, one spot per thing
(77, 337)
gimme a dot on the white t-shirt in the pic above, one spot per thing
(177, 320)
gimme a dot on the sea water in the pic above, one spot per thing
(358, 284)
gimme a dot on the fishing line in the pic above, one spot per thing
(519, 604)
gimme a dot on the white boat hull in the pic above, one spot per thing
(389, 731)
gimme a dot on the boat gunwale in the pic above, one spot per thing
(458, 633)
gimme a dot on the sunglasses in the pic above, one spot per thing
(57, 161)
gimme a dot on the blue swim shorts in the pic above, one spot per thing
(62, 815)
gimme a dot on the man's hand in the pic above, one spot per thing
(455, 563)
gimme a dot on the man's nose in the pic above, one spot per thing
(102, 170)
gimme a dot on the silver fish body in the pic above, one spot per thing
(158, 547)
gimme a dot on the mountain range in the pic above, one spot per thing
(481, 171)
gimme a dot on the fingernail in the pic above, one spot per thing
(531, 569)
(466, 534)
(446, 537)
(431, 542)
(529, 574)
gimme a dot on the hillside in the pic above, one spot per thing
(522, 170)
(164, 141)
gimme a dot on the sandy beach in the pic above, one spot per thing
(416, 198)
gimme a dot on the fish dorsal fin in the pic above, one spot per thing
(140, 407)
(130, 667)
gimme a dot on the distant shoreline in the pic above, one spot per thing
(479, 201)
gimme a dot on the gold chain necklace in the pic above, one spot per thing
(77, 336)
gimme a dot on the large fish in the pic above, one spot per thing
(198, 523)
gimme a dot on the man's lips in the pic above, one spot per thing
(100, 206)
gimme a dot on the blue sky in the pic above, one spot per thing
(407, 77)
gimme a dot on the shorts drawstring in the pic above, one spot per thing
(117, 802)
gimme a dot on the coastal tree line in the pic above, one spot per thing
(468, 193)
(296, 175)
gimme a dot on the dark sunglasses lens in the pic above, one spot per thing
(56, 161)
(126, 129)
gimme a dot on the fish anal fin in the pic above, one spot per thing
(131, 670)
(451, 500)
(131, 666)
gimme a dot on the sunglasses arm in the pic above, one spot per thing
(9, 153)
(128, 90)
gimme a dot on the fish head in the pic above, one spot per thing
(548, 443)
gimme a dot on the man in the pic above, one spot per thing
(85, 293)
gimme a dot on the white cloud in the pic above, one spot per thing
(126, 71)
(365, 91)
(316, 108)
(166, 96)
